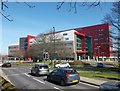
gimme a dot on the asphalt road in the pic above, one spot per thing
(20, 77)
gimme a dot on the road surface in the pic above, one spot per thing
(22, 79)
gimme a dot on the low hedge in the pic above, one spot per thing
(78, 62)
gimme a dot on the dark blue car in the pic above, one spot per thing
(64, 76)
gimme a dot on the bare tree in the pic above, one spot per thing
(46, 43)
(17, 53)
(74, 4)
(4, 7)
(114, 20)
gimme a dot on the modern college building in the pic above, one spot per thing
(87, 42)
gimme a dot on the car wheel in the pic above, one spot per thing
(48, 78)
(62, 83)
(31, 72)
(37, 74)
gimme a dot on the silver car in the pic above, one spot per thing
(40, 69)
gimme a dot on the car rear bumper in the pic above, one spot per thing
(72, 81)
(43, 73)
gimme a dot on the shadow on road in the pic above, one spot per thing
(36, 75)
(56, 83)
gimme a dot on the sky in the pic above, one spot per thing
(43, 17)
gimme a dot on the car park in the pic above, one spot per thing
(6, 64)
(64, 76)
(110, 86)
(62, 65)
(40, 69)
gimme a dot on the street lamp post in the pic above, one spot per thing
(54, 45)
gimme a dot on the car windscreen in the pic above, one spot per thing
(71, 71)
(100, 64)
(43, 67)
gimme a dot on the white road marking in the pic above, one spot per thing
(27, 74)
(38, 80)
(57, 88)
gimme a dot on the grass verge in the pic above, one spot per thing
(6, 86)
(100, 75)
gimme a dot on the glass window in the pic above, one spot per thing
(68, 44)
(97, 30)
(96, 43)
(102, 52)
(95, 48)
(100, 34)
(95, 39)
(65, 34)
(102, 30)
(43, 66)
(101, 38)
(71, 71)
(66, 38)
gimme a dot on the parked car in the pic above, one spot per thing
(64, 76)
(6, 64)
(40, 69)
(110, 86)
(62, 65)
(100, 65)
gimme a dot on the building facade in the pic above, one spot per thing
(91, 42)
(25, 46)
(88, 42)
(101, 42)
(13, 51)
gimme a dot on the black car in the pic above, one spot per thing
(110, 86)
(100, 65)
(7, 64)
(64, 76)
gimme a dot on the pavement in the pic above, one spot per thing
(92, 81)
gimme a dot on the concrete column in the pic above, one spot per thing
(79, 58)
(75, 56)
(102, 59)
(88, 58)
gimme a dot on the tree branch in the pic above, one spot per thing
(61, 3)
(115, 26)
(29, 5)
(6, 17)
(74, 6)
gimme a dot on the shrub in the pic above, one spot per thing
(116, 65)
(56, 62)
(78, 62)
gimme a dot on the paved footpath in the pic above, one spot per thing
(92, 81)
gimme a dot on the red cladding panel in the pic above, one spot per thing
(100, 37)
